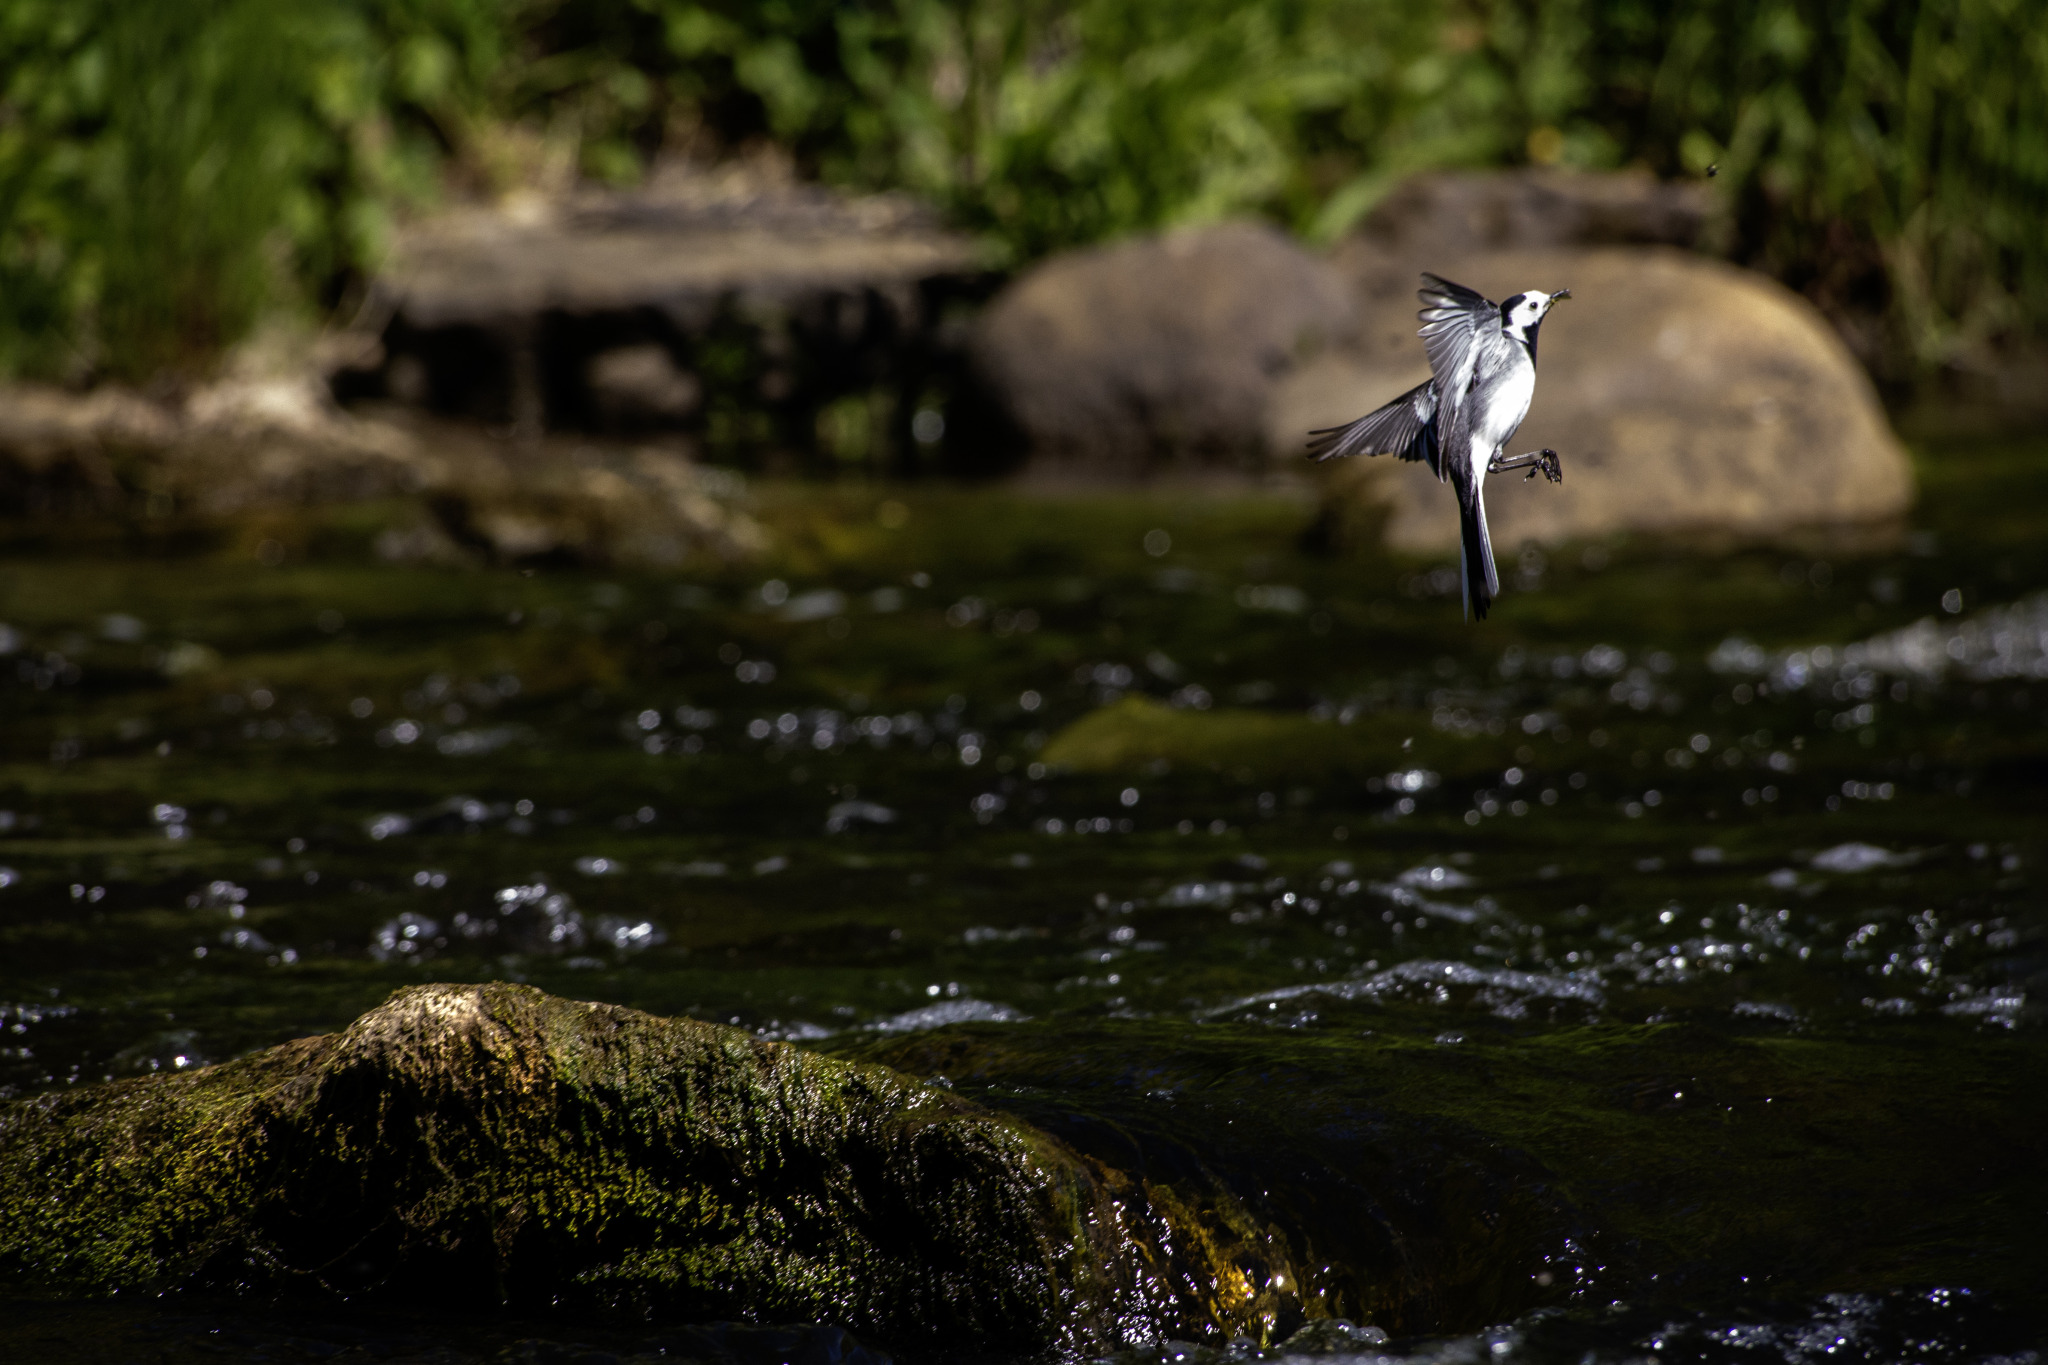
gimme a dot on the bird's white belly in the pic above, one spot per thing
(1503, 415)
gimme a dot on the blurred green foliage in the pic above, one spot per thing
(170, 167)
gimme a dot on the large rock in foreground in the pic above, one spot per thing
(1683, 394)
(502, 1145)
(1158, 354)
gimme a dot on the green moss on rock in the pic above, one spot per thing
(487, 1144)
(1137, 733)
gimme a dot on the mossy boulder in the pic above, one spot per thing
(488, 1144)
(1137, 733)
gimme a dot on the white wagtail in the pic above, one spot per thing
(1482, 362)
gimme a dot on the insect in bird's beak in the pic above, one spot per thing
(1560, 294)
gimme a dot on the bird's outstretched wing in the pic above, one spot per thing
(1452, 319)
(1405, 427)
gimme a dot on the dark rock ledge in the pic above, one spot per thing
(504, 1146)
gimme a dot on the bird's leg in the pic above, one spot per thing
(1545, 460)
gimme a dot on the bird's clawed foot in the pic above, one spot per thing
(1545, 462)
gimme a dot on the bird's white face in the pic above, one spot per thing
(1520, 314)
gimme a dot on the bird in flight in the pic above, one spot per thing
(1482, 361)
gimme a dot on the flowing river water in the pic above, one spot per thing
(1732, 854)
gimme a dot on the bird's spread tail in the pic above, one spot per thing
(1476, 573)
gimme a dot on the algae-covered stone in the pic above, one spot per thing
(486, 1144)
(1136, 733)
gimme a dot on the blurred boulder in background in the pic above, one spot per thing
(1433, 221)
(1683, 394)
(732, 305)
(1159, 354)
(642, 385)
(60, 451)
(581, 500)
(267, 439)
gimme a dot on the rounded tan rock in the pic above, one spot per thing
(1683, 394)
(1158, 354)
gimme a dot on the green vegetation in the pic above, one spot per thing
(169, 169)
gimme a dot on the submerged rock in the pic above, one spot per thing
(1137, 734)
(479, 1144)
(1426, 1181)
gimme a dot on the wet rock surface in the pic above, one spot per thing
(1137, 735)
(504, 1145)
(508, 1146)
(1683, 395)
